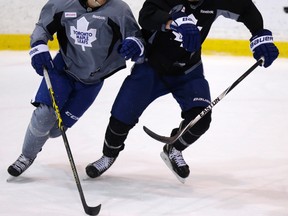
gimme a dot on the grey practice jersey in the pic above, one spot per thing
(88, 39)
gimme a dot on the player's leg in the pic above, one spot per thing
(192, 95)
(80, 99)
(43, 119)
(37, 133)
(137, 92)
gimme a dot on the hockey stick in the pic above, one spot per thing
(170, 140)
(88, 209)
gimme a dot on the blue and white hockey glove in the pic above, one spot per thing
(186, 27)
(262, 45)
(40, 57)
(131, 47)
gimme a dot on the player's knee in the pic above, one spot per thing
(202, 125)
(43, 119)
(55, 131)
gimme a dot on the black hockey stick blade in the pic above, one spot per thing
(155, 136)
(92, 210)
(170, 140)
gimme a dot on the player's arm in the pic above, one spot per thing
(44, 30)
(261, 42)
(132, 45)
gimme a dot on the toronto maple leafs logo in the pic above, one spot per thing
(82, 35)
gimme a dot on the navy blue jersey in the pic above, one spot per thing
(164, 51)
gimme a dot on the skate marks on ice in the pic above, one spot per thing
(240, 167)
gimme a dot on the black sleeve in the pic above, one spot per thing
(248, 14)
(251, 17)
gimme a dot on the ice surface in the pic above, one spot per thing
(239, 168)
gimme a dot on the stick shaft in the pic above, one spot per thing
(170, 140)
(89, 210)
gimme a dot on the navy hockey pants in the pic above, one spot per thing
(72, 97)
(144, 85)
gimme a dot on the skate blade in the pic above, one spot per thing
(169, 165)
(10, 179)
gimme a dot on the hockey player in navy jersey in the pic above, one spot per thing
(174, 31)
(95, 39)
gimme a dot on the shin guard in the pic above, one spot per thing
(116, 134)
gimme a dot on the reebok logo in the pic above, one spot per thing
(99, 17)
(207, 11)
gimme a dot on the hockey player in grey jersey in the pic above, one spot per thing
(95, 38)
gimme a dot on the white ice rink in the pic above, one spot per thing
(239, 168)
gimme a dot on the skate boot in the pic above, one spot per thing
(98, 167)
(175, 161)
(19, 166)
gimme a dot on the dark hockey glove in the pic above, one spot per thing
(186, 27)
(131, 47)
(40, 57)
(262, 45)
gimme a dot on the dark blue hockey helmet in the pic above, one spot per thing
(195, 3)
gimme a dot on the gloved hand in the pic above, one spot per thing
(187, 28)
(40, 57)
(262, 45)
(131, 47)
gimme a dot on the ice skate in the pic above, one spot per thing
(175, 161)
(20, 165)
(98, 167)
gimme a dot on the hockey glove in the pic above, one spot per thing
(262, 45)
(186, 27)
(40, 57)
(131, 47)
